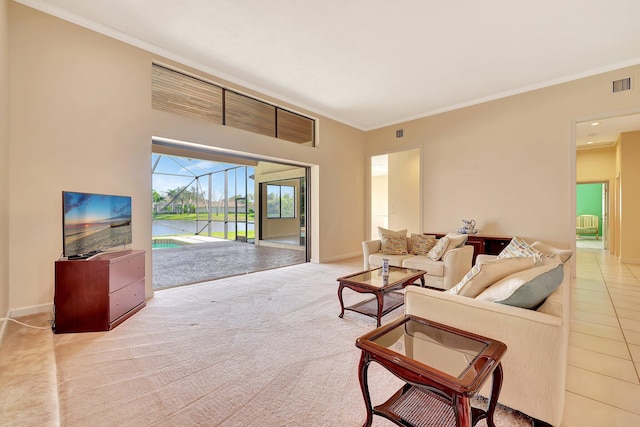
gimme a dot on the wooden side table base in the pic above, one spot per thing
(431, 397)
(419, 407)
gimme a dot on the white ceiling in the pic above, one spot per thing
(604, 132)
(371, 63)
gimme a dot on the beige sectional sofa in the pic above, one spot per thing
(443, 273)
(537, 339)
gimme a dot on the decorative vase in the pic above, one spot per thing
(385, 266)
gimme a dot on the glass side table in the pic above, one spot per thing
(442, 367)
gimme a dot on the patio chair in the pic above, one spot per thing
(587, 224)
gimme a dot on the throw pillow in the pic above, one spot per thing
(394, 245)
(421, 244)
(438, 250)
(385, 231)
(526, 289)
(456, 240)
(519, 248)
(548, 259)
(564, 254)
(486, 273)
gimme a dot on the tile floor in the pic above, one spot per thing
(603, 384)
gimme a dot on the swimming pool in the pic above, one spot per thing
(164, 244)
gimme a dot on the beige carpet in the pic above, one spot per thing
(28, 384)
(265, 349)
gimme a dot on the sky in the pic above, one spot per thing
(170, 172)
(83, 207)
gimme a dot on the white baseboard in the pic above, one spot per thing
(28, 311)
(3, 329)
(342, 257)
(21, 312)
(630, 260)
(281, 245)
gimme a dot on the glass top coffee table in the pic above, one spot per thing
(442, 367)
(374, 282)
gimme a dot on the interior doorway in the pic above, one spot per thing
(592, 198)
(601, 157)
(395, 194)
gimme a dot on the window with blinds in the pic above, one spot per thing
(182, 94)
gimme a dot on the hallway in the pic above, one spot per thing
(603, 385)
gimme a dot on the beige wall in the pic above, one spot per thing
(379, 204)
(404, 190)
(630, 202)
(616, 201)
(4, 161)
(82, 121)
(596, 164)
(509, 164)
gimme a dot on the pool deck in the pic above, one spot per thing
(190, 240)
(203, 258)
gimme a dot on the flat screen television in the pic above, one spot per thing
(93, 223)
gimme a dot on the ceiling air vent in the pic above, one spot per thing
(622, 85)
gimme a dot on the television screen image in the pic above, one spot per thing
(93, 223)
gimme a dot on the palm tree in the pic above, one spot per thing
(157, 199)
(172, 195)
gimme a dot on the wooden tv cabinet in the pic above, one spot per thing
(100, 293)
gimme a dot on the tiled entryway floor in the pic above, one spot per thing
(603, 385)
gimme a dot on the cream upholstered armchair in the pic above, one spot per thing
(587, 224)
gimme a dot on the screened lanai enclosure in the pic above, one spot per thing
(201, 197)
(215, 219)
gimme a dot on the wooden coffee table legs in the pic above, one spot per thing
(384, 288)
(364, 306)
(340, 288)
(381, 304)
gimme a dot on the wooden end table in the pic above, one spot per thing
(374, 282)
(442, 367)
